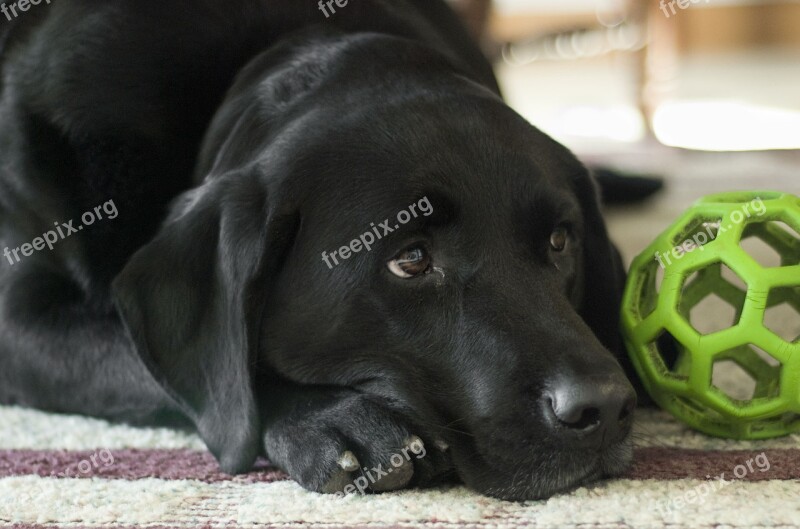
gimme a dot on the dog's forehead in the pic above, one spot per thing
(474, 152)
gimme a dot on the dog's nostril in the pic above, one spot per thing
(577, 417)
(591, 412)
(580, 419)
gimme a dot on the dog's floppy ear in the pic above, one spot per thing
(192, 299)
(604, 272)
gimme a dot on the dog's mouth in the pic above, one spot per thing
(545, 474)
(613, 462)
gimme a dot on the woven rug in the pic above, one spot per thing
(65, 471)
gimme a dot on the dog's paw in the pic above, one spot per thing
(351, 445)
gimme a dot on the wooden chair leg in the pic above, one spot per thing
(657, 62)
(475, 14)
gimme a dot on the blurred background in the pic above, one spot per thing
(703, 93)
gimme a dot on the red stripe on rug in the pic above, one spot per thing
(130, 464)
(747, 465)
(649, 463)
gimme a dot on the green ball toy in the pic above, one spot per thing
(711, 316)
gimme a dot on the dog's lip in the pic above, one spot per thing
(532, 493)
(595, 472)
(590, 475)
(599, 464)
(618, 458)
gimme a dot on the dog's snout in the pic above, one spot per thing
(591, 412)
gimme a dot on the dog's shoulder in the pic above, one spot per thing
(153, 67)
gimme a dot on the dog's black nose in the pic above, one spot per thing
(593, 411)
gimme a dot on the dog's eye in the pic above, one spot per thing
(559, 239)
(410, 263)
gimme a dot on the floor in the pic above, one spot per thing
(714, 101)
(63, 472)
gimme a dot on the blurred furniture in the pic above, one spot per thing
(654, 35)
(475, 14)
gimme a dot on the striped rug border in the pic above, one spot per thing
(183, 464)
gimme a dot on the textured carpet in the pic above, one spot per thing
(61, 471)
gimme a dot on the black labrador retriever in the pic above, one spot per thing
(314, 235)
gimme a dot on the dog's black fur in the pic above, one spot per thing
(239, 140)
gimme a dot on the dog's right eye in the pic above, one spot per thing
(410, 263)
(559, 239)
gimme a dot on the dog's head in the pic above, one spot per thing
(417, 241)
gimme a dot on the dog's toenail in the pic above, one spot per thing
(414, 443)
(348, 462)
